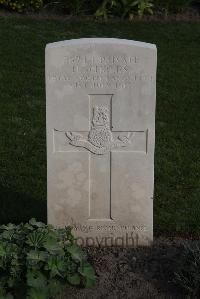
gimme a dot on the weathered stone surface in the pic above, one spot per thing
(100, 139)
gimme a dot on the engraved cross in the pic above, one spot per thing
(100, 142)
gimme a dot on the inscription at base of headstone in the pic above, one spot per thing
(100, 139)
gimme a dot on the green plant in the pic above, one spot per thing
(124, 7)
(22, 5)
(172, 5)
(142, 6)
(42, 259)
(107, 7)
(187, 275)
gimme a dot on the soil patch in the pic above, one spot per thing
(133, 273)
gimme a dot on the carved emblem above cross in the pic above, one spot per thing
(100, 139)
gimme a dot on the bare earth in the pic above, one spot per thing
(133, 273)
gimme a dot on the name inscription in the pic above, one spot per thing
(116, 72)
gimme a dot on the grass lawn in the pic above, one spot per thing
(22, 115)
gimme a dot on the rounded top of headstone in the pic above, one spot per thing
(101, 41)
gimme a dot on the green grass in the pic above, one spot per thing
(22, 115)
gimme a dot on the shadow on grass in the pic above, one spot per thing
(16, 207)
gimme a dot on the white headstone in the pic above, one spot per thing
(100, 139)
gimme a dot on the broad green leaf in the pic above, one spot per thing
(53, 246)
(28, 227)
(55, 287)
(35, 223)
(87, 271)
(2, 251)
(89, 283)
(61, 264)
(53, 234)
(36, 238)
(36, 279)
(74, 279)
(50, 226)
(37, 255)
(38, 294)
(56, 265)
(7, 234)
(75, 252)
(10, 226)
